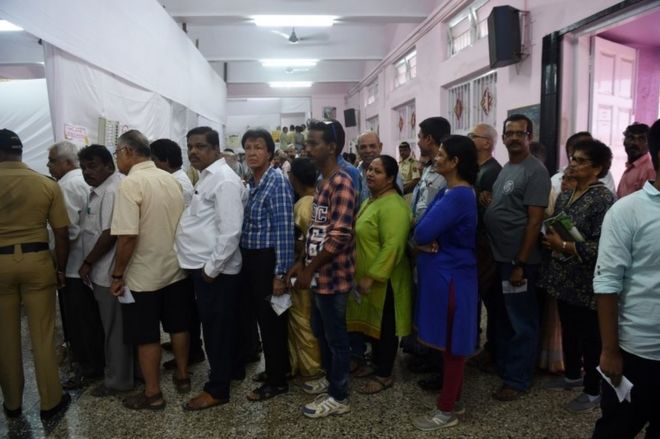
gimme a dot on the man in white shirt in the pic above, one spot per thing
(166, 154)
(99, 253)
(80, 317)
(207, 245)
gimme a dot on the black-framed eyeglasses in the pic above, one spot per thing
(580, 160)
(476, 136)
(511, 134)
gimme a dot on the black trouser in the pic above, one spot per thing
(385, 348)
(580, 340)
(257, 286)
(489, 291)
(83, 326)
(195, 331)
(217, 303)
(623, 420)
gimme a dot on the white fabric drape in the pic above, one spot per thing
(80, 93)
(134, 39)
(24, 110)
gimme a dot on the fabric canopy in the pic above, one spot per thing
(136, 40)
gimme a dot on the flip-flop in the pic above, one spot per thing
(380, 386)
(206, 405)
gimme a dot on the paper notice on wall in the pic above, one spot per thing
(76, 134)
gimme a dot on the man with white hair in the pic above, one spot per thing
(484, 137)
(370, 147)
(80, 315)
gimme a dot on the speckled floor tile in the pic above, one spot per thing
(538, 414)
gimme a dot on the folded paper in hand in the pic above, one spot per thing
(126, 296)
(280, 303)
(622, 390)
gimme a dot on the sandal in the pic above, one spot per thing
(266, 391)
(182, 385)
(375, 385)
(140, 401)
(203, 401)
(363, 371)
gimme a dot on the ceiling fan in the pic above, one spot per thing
(293, 38)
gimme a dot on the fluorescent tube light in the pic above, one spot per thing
(290, 84)
(6, 26)
(294, 20)
(289, 62)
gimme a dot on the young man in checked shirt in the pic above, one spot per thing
(328, 268)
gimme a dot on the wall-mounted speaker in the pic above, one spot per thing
(350, 118)
(504, 43)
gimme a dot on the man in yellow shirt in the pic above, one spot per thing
(148, 206)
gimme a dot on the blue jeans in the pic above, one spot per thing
(217, 303)
(518, 331)
(329, 326)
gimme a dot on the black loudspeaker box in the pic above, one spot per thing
(350, 119)
(504, 45)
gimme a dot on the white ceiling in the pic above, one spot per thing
(365, 31)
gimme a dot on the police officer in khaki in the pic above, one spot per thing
(28, 276)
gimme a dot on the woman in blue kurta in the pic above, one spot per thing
(446, 317)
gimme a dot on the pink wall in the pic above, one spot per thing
(648, 85)
(517, 85)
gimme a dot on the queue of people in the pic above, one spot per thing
(326, 259)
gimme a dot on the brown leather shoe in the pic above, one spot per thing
(506, 393)
(203, 401)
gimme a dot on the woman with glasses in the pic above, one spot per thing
(569, 273)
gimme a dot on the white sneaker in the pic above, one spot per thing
(435, 420)
(325, 405)
(315, 387)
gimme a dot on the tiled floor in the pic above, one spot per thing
(537, 415)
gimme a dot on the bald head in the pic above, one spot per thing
(484, 137)
(369, 147)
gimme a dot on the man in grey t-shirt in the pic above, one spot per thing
(513, 220)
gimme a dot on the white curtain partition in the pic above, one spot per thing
(24, 110)
(134, 39)
(80, 93)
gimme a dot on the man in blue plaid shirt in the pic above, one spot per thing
(267, 247)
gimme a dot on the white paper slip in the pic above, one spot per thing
(126, 297)
(508, 288)
(624, 388)
(280, 303)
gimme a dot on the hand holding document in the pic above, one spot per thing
(280, 303)
(622, 390)
(126, 296)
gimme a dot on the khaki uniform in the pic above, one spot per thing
(28, 201)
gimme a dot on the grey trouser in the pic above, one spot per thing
(118, 356)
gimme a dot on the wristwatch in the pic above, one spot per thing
(517, 263)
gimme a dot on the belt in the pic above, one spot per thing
(31, 247)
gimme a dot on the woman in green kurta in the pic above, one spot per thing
(382, 307)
